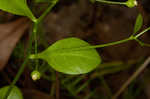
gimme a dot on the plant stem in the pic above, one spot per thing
(57, 86)
(113, 43)
(141, 33)
(16, 78)
(36, 24)
(35, 28)
(105, 45)
(108, 90)
(116, 42)
(111, 2)
(21, 68)
(142, 43)
(53, 3)
(133, 77)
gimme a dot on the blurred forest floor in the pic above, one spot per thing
(95, 23)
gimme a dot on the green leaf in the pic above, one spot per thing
(138, 23)
(14, 94)
(66, 56)
(18, 7)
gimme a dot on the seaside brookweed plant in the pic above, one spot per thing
(70, 55)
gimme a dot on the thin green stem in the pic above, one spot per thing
(35, 27)
(142, 43)
(106, 45)
(111, 2)
(16, 77)
(119, 42)
(21, 68)
(145, 44)
(141, 33)
(132, 78)
(106, 86)
(53, 3)
(36, 24)
(113, 43)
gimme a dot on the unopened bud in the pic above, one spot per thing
(131, 3)
(36, 75)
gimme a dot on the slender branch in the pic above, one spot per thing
(104, 45)
(21, 68)
(141, 33)
(108, 90)
(57, 86)
(35, 28)
(113, 43)
(53, 3)
(142, 43)
(122, 41)
(133, 77)
(36, 24)
(111, 2)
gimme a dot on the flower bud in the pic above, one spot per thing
(131, 3)
(36, 75)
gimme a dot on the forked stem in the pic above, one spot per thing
(34, 34)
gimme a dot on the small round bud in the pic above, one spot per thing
(36, 75)
(131, 3)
